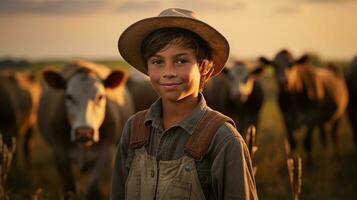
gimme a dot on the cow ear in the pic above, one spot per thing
(257, 71)
(225, 70)
(302, 60)
(116, 78)
(265, 61)
(54, 79)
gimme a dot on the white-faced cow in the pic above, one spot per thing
(351, 80)
(19, 93)
(308, 96)
(81, 115)
(237, 93)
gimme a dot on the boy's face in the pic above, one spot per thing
(174, 73)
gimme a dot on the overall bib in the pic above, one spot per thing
(152, 179)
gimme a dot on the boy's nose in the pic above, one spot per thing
(169, 72)
(170, 75)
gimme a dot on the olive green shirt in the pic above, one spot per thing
(224, 173)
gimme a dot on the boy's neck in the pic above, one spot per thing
(176, 111)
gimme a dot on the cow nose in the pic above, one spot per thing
(283, 80)
(84, 134)
(235, 95)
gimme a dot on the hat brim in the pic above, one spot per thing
(129, 43)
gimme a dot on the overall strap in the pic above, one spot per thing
(198, 144)
(139, 131)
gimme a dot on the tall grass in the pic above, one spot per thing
(6, 157)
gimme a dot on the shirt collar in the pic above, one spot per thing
(154, 114)
(188, 123)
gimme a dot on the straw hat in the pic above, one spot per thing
(130, 41)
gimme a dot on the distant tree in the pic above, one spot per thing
(14, 63)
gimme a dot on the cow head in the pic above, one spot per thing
(282, 62)
(241, 80)
(350, 76)
(85, 100)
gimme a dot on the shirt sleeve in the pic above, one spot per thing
(121, 169)
(231, 170)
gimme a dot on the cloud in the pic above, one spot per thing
(293, 7)
(87, 6)
(212, 5)
(328, 1)
(137, 5)
(51, 6)
(63, 7)
(288, 10)
(201, 5)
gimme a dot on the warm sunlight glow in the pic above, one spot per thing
(253, 28)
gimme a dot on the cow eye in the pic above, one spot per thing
(246, 79)
(69, 98)
(99, 98)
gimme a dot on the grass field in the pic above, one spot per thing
(327, 178)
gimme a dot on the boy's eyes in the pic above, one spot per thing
(161, 61)
(156, 61)
(181, 61)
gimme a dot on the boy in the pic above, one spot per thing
(179, 148)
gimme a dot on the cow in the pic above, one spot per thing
(82, 111)
(19, 94)
(140, 88)
(237, 92)
(351, 80)
(308, 96)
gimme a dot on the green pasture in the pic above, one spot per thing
(328, 177)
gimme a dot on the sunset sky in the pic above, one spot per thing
(46, 29)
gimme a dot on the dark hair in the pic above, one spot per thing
(159, 39)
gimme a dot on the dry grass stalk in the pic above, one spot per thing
(294, 165)
(6, 156)
(39, 194)
(250, 139)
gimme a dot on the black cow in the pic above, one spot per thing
(237, 93)
(308, 96)
(139, 86)
(351, 80)
(19, 94)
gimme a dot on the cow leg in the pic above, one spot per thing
(251, 120)
(242, 123)
(63, 166)
(100, 174)
(291, 139)
(354, 129)
(290, 125)
(308, 142)
(323, 135)
(27, 147)
(353, 121)
(335, 137)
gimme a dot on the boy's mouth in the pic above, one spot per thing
(169, 85)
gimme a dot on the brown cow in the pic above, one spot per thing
(19, 93)
(237, 92)
(81, 115)
(140, 88)
(351, 80)
(308, 96)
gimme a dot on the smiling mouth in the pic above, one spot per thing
(169, 85)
